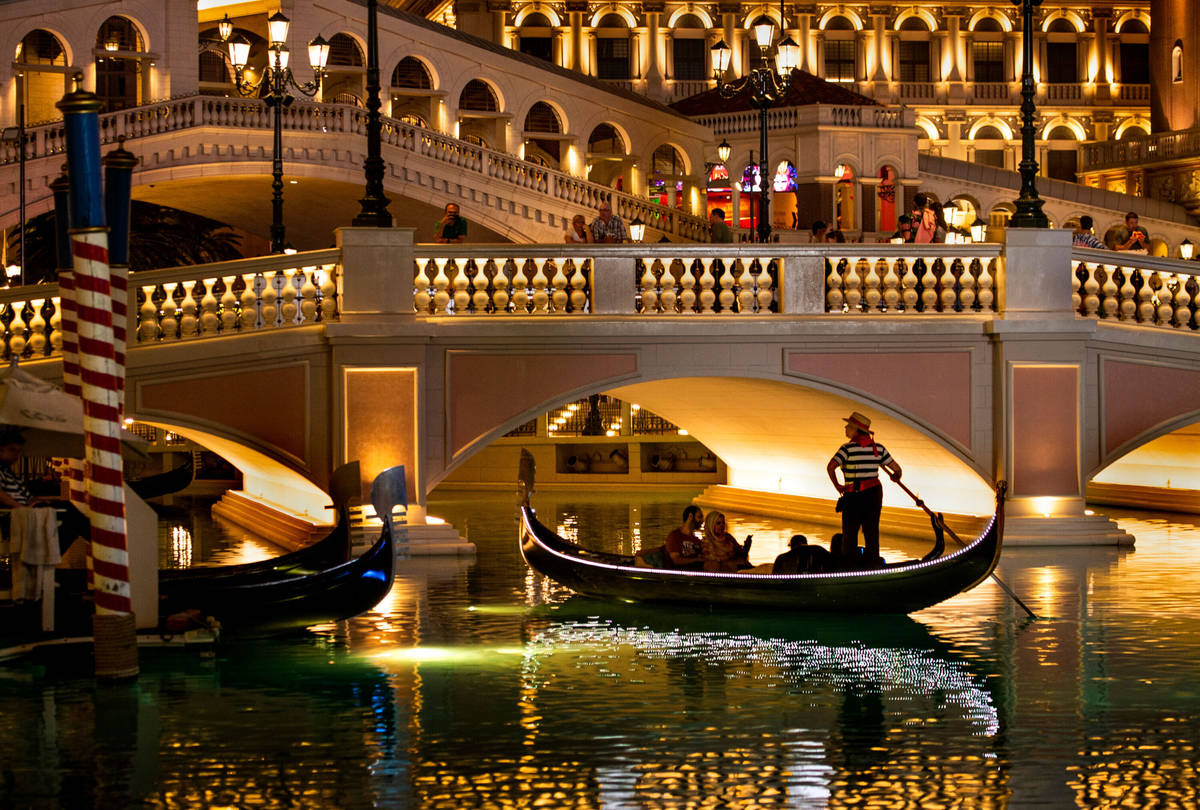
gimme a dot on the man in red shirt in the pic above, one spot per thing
(682, 548)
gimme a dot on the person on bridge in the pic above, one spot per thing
(721, 233)
(861, 498)
(577, 231)
(607, 228)
(1083, 236)
(1132, 237)
(451, 227)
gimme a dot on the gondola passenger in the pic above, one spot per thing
(722, 552)
(682, 549)
(862, 493)
(801, 558)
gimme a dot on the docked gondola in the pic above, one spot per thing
(164, 483)
(272, 601)
(902, 587)
(331, 550)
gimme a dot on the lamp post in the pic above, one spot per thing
(275, 83)
(767, 85)
(374, 205)
(1029, 207)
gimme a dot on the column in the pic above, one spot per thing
(954, 42)
(653, 72)
(805, 40)
(880, 74)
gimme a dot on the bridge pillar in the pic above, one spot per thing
(1042, 379)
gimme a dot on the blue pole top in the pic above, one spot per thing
(81, 114)
(118, 187)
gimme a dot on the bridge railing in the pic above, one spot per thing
(665, 280)
(208, 300)
(176, 114)
(31, 322)
(1132, 288)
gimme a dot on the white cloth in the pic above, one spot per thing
(34, 539)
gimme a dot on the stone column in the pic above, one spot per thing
(653, 72)
(880, 74)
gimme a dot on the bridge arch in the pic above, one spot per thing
(767, 441)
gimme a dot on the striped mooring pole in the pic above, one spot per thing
(114, 628)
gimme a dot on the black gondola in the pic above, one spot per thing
(902, 587)
(281, 601)
(164, 483)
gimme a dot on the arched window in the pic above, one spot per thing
(688, 49)
(1134, 53)
(988, 133)
(839, 23)
(1062, 52)
(1177, 62)
(1134, 131)
(410, 72)
(478, 96)
(840, 49)
(1061, 133)
(344, 52)
(1134, 26)
(344, 77)
(886, 195)
(605, 140)
(989, 155)
(536, 36)
(1061, 25)
(612, 47)
(914, 23)
(913, 54)
(213, 68)
(542, 118)
(40, 89)
(666, 173)
(988, 25)
(118, 74)
(606, 153)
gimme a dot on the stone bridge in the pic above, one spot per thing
(1049, 367)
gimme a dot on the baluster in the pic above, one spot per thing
(1166, 299)
(766, 287)
(1183, 300)
(278, 285)
(745, 287)
(421, 296)
(327, 282)
(17, 338)
(891, 286)
(834, 297)
(707, 281)
(541, 298)
(308, 295)
(668, 298)
(56, 335)
(520, 283)
(871, 293)
(462, 298)
(687, 289)
(1076, 287)
(578, 287)
(1091, 291)
(929, 295)
(206, 320)
(909, 288)
(252, 303)
(292, 313)
(726, 296)
(851, 284)
(1145, 295)
(37, 329)
(966, 283)
(1128, 306)
(559, 298)
(188, 322)
(479, 299)
(170, 323)
(147, 328)
(228, 308)
(948, 296)
(1110, 294)
(649, 285)
(441, 286)
(500, 285)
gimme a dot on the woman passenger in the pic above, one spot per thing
(721, 551)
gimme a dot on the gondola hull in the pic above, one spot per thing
(900, 588)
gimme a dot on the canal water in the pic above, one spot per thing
(477, 684)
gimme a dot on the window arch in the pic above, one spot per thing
(119, 76)
(1060, 133)
(542, 118)
(1063, 22)
(537, 9)
(832, 20)
(986, 21)
(613, 46)
(689, 51)
(478, 96)
(988, 133)
(606, 140)
(411, 72)
(1177, 62)
(41, 89)
(838, 23)
(695, 12)
(667, 170)
(913, 23)
(607, 151)
(536, 36)
(344, 52)
(411, 87)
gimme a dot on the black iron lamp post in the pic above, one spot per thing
(1029, 207)
(373, 212)
(768, 85)
(276, 83)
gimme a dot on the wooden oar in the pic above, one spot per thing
(942, 522)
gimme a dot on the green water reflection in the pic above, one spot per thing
(476, 684)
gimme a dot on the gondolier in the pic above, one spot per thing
(862, 494)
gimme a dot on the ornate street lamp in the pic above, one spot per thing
(1186, 249)
(637, 229)
(1029, 208)
(373, 211)
(767, 84)
(723, 151)
(275, 83)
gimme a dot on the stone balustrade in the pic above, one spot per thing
(1136, 289)
(30, 317)
(272, 292)
(666, 280)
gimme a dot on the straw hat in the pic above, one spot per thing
(860, 421)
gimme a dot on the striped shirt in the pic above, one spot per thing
(13, 486)
(859, 462)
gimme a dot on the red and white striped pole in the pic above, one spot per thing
(100, 378)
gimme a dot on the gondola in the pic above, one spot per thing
(902, 587)
(277, 602)
(330, 550)
(164, 483)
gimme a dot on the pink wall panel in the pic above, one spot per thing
(381, 421)
(485, 390)
(1045, 430)
(1138, 396)
(935, 387)
(271, 404)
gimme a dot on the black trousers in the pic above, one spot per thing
(861, 510)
